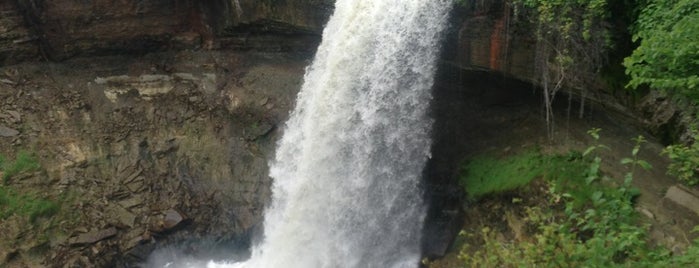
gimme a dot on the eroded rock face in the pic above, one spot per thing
(16, 41)
(57, 30)
(485, 36)
(162, 148)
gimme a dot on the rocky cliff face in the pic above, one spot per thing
(57, 30)
(169, 142)
(16, 42)
(485, 37)
(170, 147)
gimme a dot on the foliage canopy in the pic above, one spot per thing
(668, 53)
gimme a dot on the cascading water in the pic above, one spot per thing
(347, 170)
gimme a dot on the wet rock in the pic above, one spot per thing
(93, 237)
(141, 251)
(172, 219)
(441, 232)
(169, 220)
(258, 130)
(8, 132)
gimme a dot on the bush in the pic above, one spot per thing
(667, 56)
(685, 161)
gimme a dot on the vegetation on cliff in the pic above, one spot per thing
(572, 43)
(573, 38)
(576, 35)
(26, 204)
(570, 215)
(585, 218)
(667, 56)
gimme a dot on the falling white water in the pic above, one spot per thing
(347, 170)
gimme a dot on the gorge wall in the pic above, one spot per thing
(485, 37)
(481, 37)
(57, 30)
(181, 134)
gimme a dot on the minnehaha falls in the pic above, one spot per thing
(347, 170)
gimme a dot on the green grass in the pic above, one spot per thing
(485, 175)
(25, 204)
(12, 202)
(25, 162)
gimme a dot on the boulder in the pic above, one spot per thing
(683, 197)
(172, 219)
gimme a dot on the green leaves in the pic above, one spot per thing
(685, 160)
(668, 55)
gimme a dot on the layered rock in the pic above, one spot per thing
(485, 36)
(162, 148)
(16, 41)
(59, 30)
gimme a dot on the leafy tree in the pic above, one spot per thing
(572, 43)
(668, 54)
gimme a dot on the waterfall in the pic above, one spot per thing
(347, 170)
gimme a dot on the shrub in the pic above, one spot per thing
(666, 57)
(685, 161)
